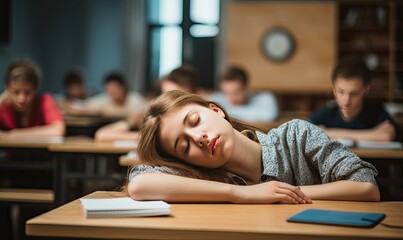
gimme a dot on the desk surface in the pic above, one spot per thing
(68, 144)
(217, 221)
(89, 147)
(30, 142)
(88, 121)
(379, 153)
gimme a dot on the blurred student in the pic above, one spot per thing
(116, 102)
(74, 89)
(184, 78)
(74, 85)
(23, 112)
(352, 116)
(240, 102)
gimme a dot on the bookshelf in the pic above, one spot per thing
(398, 51)
(374, 31)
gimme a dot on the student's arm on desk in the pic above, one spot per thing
(51, 130)
(116, 131)
(343, 190)
(384, 131)
(172, 188)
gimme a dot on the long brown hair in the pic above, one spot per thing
(150, 150)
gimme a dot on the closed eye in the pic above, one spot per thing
(197, 121)
(194, 119)
(187, 147)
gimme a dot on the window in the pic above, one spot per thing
(180, 31)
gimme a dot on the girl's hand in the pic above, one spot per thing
(270, 192)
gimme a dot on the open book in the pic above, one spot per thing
(370, 144)
(123, 207)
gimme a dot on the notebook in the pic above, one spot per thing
(123, 207)
(370, 144)
(352, 219)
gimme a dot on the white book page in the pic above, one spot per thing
(379, 145)
(346, 142)
(125, 203)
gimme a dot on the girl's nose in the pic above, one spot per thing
(202, 140)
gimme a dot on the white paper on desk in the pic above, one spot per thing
(379, 145)
(123, 207)
(346, 142)
(370, 144)
(125, 143)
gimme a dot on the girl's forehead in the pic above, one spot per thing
(19, 84)
(184, 108)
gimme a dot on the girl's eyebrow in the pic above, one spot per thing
(184, 122)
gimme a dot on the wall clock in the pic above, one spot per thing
(278, 44)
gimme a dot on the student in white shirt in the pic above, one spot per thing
(117, 101)
(240, 102)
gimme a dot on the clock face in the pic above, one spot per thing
(372, 61)
(278, 44)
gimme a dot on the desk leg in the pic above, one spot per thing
(59, 183)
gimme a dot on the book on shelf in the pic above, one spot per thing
(371, 144)
(123, 207)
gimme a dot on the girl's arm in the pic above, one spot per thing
(116, 131)
(343, 190)
(344, 175)
(172, 188)
(51, 130)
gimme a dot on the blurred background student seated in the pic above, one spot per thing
(240, 102)
(74, 89)
(116, 102)
(351, 116)
(184, 78)
(24, 112)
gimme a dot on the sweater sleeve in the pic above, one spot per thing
(333, 160)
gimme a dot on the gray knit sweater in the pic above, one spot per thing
(299, 153)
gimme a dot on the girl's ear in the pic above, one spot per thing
(216, 109)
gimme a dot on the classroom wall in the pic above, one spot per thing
(63, 34)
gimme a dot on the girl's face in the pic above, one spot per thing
(198, 135)
(21, 95)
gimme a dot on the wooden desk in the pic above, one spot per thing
(86, 125)
(215, 221)
(30, 142)
(93, 154)
(60, 152)
(88, 147)
(379, 153)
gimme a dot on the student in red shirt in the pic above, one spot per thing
(24, 113)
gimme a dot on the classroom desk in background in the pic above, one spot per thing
(379, 153)
(85, 125)
(215, 221)
(59, 154)
(92, 156)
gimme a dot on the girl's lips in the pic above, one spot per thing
(214, 144)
